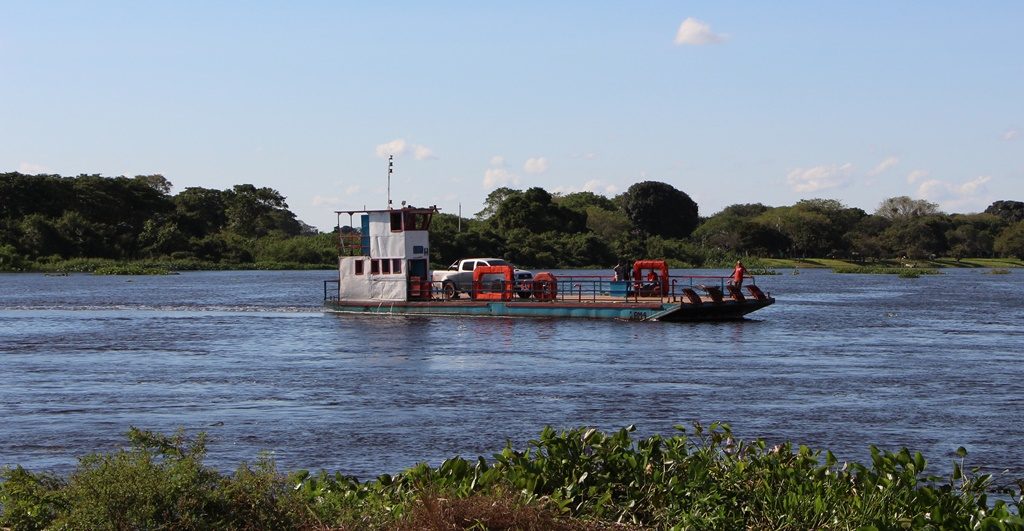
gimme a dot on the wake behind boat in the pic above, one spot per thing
(384, 268)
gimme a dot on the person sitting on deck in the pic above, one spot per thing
(653, 282)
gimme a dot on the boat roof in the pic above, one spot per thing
(411, 209)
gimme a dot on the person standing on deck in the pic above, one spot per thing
(738, 273)
(618, 272)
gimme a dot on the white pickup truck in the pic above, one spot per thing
(459, 277)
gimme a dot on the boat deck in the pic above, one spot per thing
(585, 297)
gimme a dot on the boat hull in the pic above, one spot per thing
(630, 311)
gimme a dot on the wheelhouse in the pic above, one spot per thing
(385, 254)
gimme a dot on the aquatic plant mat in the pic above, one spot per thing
(698, 478)
(901, 271)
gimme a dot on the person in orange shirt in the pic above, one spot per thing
(653, 282)
(738, 273)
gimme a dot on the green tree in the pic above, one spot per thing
(808, 231)
(494, 200)
(744, 210)
(201, 211)
(722, 231)
(735, 231)
(660, 209)
(678, 251)
(973, 235)
(82, 237)
(761, 240)
(841, 220)
(1011, 241)
(1010, 211)
(157, 182)
(903, 207)
(609, 225)
(865, 238)
(162, 237)
(255, 211)
(535, 211)
(918, 237)
(584, 201)
(10, 258)
(38, 237)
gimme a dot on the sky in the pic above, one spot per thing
(730, 102)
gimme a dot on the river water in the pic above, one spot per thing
(840, 362)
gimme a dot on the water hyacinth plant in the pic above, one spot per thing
(581, 478)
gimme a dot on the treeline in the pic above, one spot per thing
(655, 220)
(48, 218)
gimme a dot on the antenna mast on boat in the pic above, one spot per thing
(391, 164)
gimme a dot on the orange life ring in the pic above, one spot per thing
(545, 286)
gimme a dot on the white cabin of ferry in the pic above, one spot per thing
(389, 258)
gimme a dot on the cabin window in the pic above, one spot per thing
(396, 222)
(358, 267)
(374, 267)
(396, 266)
(385, 267)
(468, 265)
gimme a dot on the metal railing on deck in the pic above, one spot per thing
(331, 294)
(353, 244)
(593, 287)
(580, 288)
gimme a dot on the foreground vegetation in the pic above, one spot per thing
(576, 479)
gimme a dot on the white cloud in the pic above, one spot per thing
(596, 186)
(536, 165)
(497, 160)
(917, 175)
(495, 177)
(320, 200)
(819, 177)
(600, 187)
(396, 147)
(889, 162)
(32, 169)
(399, 147)
(1011, 134)
(584, 156)
(334, 200)
(951, 196)
(422, 152)
(697, 33)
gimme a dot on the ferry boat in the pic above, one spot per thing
(384, 268)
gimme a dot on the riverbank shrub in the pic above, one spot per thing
(574, 479)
